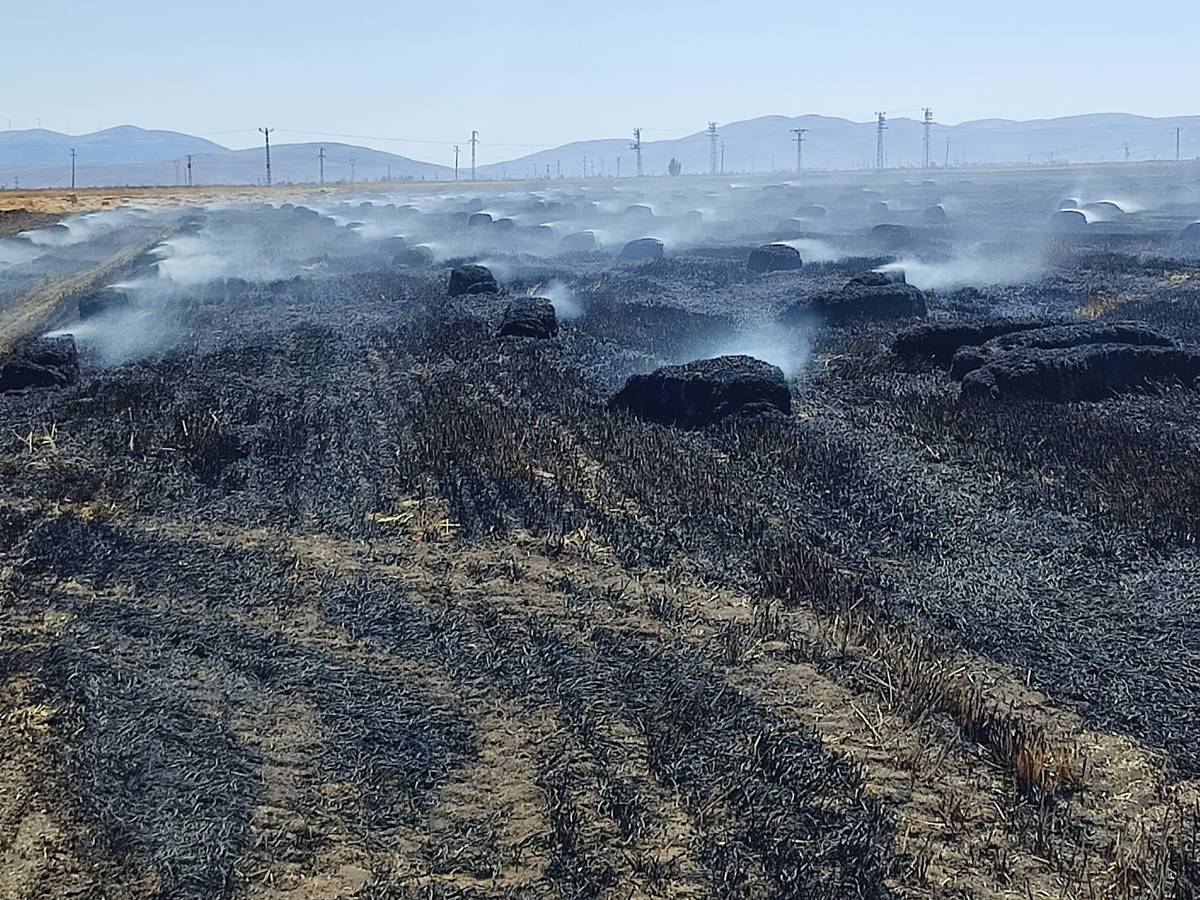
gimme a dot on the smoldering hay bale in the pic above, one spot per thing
(859, 302)
(414, 257)
(642, 248)
(939, 341)
(1068, 220)
(531, 317)
(1088, 372)
(472, 279)
(878, 278)
(774, 258)
(700, 393)
(1051, 337)
(891, 237)
(103, 301)
(45, 362)
(579, 241)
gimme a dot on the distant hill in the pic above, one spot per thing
(130, 155)
(767, 144)
(126, 144)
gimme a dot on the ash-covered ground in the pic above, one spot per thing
(313, 585)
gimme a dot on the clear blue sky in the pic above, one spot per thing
(541, 74)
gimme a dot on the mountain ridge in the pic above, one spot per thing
(129, 154)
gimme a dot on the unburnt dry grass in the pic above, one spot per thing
(344, 588)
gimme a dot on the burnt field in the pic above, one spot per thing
(314, 585)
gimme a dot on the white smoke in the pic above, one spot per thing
(567, 305)
(965, 271)
(788, 348)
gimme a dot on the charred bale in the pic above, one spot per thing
(774, 258)
(479, 220)
(706, 391)
(45, 362)
(103, 301)
(643, 248)
(935, 215)
(1088, 372)
(580, 240)
(857, 302)
(878, 279)
(1068, 220)
(472, 279)
(892, 237)
(415, 257)
(531, 317)
(939, 341)
(1053, 337)
(1191, 234)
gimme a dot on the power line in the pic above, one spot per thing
(712, 142)
(880, 128)
(189, 170)
(636, 147)
(474, 142)
(928, 125)
(799, 133)
(266, 132)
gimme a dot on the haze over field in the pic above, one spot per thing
(129, 155)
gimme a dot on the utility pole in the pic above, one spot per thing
(474, 141)
(880, 128)
(72, 168)
(456, 162)
(585, 167)
(558, 168)
(712, 143)
(1177, 130)
(389, 170)
(321, 161)
(618, 166)
(636, 147)
(1127, 151)
(267, 136)
(353, 161)
(799, 133)
(189, 170)
(928, 123)
(947, 153)
(722, 157)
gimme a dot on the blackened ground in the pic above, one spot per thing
(204, 553)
